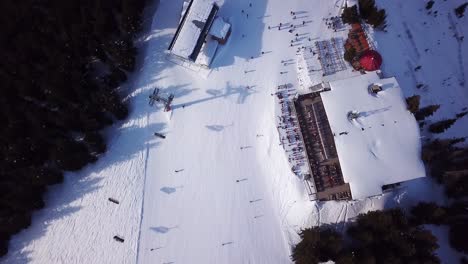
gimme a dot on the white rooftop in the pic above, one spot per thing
(190, 31)
(219, 28)
(207, 52)
(383, 144)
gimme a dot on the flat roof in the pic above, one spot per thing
(193, 28)
(382, 145)
(219, 28)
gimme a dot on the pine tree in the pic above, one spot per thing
(350, 54)
(460, 10)
(441, 126)
(429, 4)
(428, 213)
(55, 94)
(457, 236)
(426, 112)
(412, 103)
(350, 15)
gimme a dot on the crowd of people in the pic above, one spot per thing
(289, 130)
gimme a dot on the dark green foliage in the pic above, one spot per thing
(457, 236)
(461, 114)
(387, 237)
(95, 142)
(371, 14)
(375, 237)
(412, 103)
(350, 15)
(441, 126)
(350, 54)
(428, 213)
(456, 181)
(426, 112)
(463, 260)
(448, 164)
(317, 245)
(429, 4)
(377, 19)
(460, 10)
(55, 101)
(457, 219)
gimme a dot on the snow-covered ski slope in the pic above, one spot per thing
(186, 217)
(435, 42)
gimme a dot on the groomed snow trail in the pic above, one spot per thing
(209, 192)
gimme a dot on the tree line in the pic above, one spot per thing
(61, 66)
(375, 237)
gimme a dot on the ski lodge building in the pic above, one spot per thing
(359, 138)
(199, 33)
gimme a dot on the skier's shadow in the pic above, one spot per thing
(170, 190)
(162, 229)
(218, 128)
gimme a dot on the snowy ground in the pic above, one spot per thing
(186, 217)
(432, 41)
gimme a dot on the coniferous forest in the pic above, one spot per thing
(61, 65)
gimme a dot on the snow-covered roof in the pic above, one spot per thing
(207, 52)
(382, 145)
(193, 28)
(219, 28)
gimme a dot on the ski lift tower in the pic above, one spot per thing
(156, 96)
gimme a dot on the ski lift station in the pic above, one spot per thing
(199, 33)
(359, 137)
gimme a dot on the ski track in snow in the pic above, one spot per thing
(143, 199)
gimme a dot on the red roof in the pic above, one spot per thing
(370, 60)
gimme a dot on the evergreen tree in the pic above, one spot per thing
(350, 15)
(460, 10)
(426, 112)
(441, 126)
(412, 103)
(429, 4)
(318, 245)
(457, 236)
(389, 238)
(428, 213)
(350, 54)
(57, 100)
(371, 14)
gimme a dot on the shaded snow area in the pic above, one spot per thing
(219, 188)
(435, 42)
(381, 145)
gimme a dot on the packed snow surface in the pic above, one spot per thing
(381, 146)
